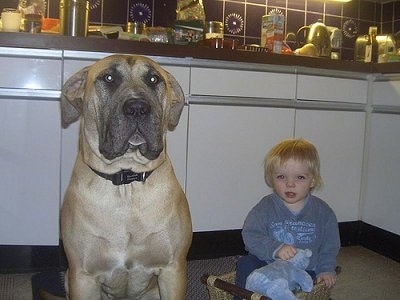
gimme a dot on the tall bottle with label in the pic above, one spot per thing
(371, 47)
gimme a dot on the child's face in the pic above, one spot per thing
(292, 182)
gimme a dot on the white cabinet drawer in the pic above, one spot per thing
(37, 71)
(240, 83)
(321, 88)
(386, 92)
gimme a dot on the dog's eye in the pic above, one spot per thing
(108, 78)
(154, 79)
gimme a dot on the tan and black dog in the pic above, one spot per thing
(125, 221)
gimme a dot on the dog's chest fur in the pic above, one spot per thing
(119, 242)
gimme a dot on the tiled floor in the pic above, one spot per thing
(365, 275)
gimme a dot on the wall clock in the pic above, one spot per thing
(234, 23)
(140, 12)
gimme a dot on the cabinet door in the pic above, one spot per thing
(29, 168)
(339, 138)
(226, 149)
(382, 206)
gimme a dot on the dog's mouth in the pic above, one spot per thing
(136, 140)
(149, 147)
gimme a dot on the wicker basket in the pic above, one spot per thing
(226, 285)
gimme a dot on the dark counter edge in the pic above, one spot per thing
(96, 44)
(205, 245)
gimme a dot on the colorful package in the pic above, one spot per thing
(272, 29)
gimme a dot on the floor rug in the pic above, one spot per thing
(53, 282)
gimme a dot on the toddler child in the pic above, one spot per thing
(291, 217)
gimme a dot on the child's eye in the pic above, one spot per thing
(301, 177)
(280, 177)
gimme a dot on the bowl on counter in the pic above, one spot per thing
(50, 25)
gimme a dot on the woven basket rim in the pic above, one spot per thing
(319, 292)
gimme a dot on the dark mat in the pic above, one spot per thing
(52, 282)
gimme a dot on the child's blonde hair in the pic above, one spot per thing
(297, 149)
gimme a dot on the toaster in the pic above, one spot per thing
(387, 45)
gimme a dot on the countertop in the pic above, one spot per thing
(96, 44)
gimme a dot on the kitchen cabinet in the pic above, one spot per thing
(237, 112)
(331, 114)
(235, 120)
(30, 146)
(234, 113)
(381, 206)
(226, 149)
(30, 166)
(339, 138)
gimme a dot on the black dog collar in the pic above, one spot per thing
(124, 176)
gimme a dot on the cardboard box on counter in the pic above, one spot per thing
(272, 28)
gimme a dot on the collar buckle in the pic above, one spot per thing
(128, 176)
(124, 176)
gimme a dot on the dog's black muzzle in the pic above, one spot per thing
(136, 108)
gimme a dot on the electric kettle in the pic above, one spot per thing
(318, 35)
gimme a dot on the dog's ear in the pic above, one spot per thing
(72, 95)
(177, 102)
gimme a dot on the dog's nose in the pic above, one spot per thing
(136, 108)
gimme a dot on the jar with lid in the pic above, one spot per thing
(32, 12)
(135, 27)
(214, 30)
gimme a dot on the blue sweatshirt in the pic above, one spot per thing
(270, 225)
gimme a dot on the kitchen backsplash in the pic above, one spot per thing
(242, 19)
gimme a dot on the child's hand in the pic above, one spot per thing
(286, 252)
(328, 278)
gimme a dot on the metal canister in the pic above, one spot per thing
(74, 17)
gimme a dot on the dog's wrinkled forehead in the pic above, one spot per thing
(119, 68)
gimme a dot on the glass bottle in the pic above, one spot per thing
(371, 47)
